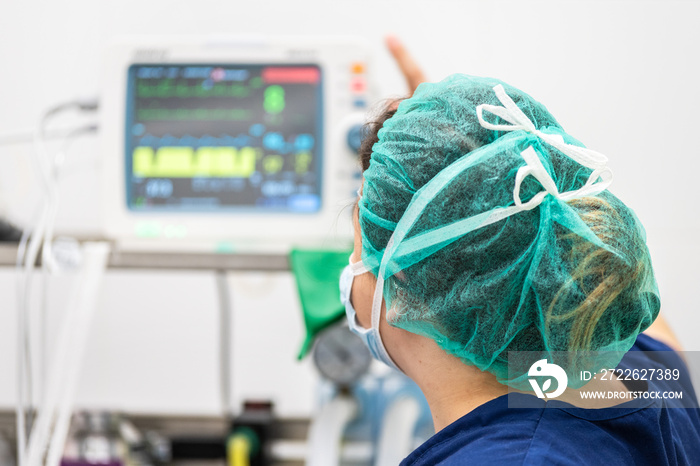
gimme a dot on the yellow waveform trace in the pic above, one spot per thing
(186, 162)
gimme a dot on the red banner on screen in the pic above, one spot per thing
(291, 75)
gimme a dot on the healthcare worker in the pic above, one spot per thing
(483, 228)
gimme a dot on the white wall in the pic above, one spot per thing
(622, 76)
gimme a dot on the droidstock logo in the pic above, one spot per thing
(542, 370)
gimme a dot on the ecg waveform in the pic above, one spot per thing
(196, 114)
(167, 88)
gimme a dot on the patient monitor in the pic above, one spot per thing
(232, 143)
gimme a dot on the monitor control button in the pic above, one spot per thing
(354, 138)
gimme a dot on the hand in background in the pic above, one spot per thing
(412, 72)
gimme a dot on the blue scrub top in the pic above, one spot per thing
(647, 434)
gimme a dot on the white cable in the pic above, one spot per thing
(27, 255)
(45, 232)
(27, 135)
(70, 342)
(54, 199)
(86, 291)
(47, 262)
(22, 343)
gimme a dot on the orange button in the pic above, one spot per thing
(358, 68)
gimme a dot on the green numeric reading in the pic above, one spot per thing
(274, 99)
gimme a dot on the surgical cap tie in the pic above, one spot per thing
(511, 113)
(535, 168)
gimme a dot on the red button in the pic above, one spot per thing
(358, 85)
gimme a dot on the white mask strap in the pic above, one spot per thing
(357, 268)
(379, 292)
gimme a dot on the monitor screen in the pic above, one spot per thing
(215, 137)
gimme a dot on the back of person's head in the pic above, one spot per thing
(570, 273)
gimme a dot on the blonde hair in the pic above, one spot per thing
(600, 274)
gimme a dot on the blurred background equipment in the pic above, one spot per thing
(366, 413)
(340, 356)
(241, 147)
(214, 143)
(96, 439)
(9, 232)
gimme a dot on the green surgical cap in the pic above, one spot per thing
(491, 230)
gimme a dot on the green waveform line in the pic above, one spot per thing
(188, 114)
(167, 88)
